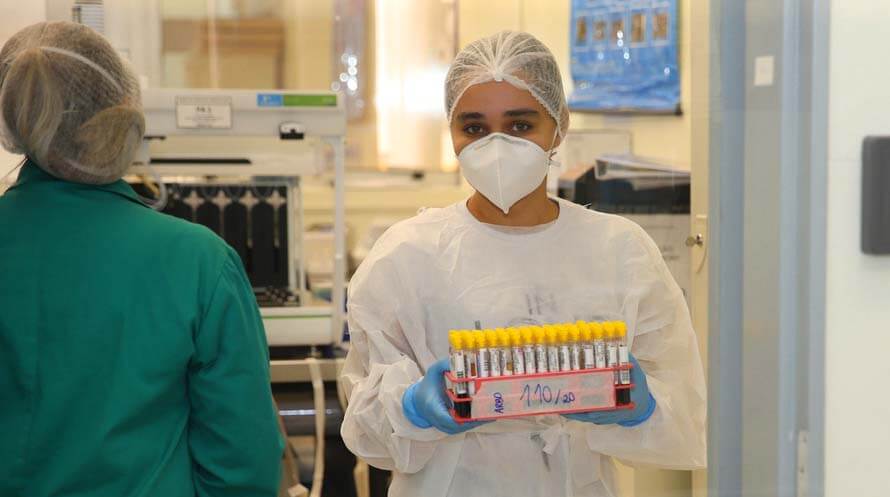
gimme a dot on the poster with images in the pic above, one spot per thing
(624, 56)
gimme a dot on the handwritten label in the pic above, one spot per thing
(544, 394)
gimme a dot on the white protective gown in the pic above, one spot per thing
(443, 270)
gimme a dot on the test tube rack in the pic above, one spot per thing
(518, 396)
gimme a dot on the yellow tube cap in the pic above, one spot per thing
(621, 328)
(597, 330)
(551, 334)
(574, 333)
(527, 335)
(456, 339)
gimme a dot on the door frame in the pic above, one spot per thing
(768, 179)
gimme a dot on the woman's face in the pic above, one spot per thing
(501, 107)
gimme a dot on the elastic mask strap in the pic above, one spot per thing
(551, 151)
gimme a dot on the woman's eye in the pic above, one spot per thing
(474, 129)
(521, 127)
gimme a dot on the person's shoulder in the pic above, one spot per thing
(406, 244)
(610, 230)
(604, 223)
(186, 239)
(417, 233)
(181, 228)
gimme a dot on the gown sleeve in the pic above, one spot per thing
(379, 368)
(233, 431)
(667, 349)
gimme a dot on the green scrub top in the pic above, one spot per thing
(133, 360)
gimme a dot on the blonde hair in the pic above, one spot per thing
(69, 103)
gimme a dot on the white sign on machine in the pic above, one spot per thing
(203, 112)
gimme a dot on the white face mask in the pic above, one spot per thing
(504, 168)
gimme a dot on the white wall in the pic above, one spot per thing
(15, 15)
(858, 293)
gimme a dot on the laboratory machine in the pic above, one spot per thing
(232, 160)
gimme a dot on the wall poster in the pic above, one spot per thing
(624, 56)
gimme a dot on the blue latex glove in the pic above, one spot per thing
(640, 395)
(426, 404)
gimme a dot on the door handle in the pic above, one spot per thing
(695, 240)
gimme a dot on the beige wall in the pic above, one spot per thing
(13, 17)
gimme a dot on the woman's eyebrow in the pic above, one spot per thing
(466, 116)
(521, 113)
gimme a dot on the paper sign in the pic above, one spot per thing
(203, 112)
(764, 70)
(544, 394)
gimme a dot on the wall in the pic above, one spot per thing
(858, 286)
(15, 15)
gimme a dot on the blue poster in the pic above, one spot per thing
(625, 56)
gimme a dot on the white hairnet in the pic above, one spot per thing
(517, 58)
(69, 102)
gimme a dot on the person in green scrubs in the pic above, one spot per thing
(133, 360)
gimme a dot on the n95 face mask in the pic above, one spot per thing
(504, 168)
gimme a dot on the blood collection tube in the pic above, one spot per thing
(483, 355)
(599, 346)
(518, 358)
(575, 346)
(611, 346)
(587, 357)
(458, 370)
(552, 349)
(505, 352)
(469, 339)
(623, 395)
(565, 352)
(528, 350)
(540, 341)
(494, 352)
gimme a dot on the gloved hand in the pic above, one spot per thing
(639, 395)
(425, 403)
